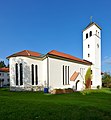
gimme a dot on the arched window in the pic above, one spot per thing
(32, 67)
(21, 74)
(90, 34)
(36, 74)
(16, 73)
(97, 45)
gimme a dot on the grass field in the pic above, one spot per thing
(87, 105)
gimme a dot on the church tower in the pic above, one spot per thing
(92, 51)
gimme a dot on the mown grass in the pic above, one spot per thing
(87, 105)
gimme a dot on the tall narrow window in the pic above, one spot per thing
(36, 74)
(88, 46)
(21, 74)
(68, 75)
(86, 35)
(16, 73)
(90, 34)
(88, 55)
(96, 32)
(63, 74)
(32, 74)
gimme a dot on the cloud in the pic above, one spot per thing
(107, 60)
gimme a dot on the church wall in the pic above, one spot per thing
(56, 72)
(27, 81)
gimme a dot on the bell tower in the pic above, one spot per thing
(92, 51)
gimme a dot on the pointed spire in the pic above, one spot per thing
(91, 19)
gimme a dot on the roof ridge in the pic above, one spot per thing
(27, 52)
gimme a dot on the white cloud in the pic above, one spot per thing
(107, 60)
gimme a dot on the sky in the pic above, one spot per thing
(45, 25)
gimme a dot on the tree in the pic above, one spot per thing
(106, 79)
(2, 64)
(88, 78)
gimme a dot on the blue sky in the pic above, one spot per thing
(44, 25)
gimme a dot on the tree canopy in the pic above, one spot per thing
(106, 78)
(2, 64)
(88, 74)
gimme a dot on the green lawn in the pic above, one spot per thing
(87, 105)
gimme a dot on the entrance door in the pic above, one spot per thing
(77, 84)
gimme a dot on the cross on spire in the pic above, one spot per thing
(90, 19)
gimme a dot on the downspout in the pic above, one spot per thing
(47, 72)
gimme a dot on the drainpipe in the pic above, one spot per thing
(47, 72)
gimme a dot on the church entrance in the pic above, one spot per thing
(77, 84)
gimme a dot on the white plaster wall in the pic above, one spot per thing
(56, 72)
(5, 76)
(95, 53)
(27, 62)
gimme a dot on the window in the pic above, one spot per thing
(7, 80)
(86, 35)
(36, 74)
(65, 75)
(21, 74)
(82, 71)
(91, 71)
(32, 74)
(88, 55)
(88, 46)
(96, 32)
(91, 82)
(90, 34)
(16, 73)
(0, 74)
(97, 45)
(68, 75)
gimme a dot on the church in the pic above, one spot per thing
(57, 70)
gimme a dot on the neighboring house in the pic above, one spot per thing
(31, 70)
(4, 77)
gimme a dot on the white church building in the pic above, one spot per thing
(57, 70)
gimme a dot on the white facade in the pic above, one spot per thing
(50, 73)
(92, 52)
(4, 79)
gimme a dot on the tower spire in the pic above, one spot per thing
(91, 19)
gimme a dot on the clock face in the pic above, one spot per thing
(97, 45)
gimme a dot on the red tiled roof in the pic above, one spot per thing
(25, 53)
(64, 55)
(4, 69)
(74, 76)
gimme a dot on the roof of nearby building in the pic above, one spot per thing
(4, 69)
(26, 53)
(74, 76)
(67, 56)
(90, 24)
